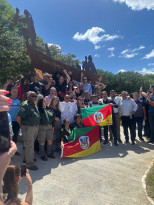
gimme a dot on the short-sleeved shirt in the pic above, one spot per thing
(61, 88)
(86, 101)
(56, 112)
(139, 111)
(29, 114)
(38, 88)
(94, 104)
(14, 109)
(47, 117)
(47, 92)
(64, 134)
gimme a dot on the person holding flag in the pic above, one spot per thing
(104, 100)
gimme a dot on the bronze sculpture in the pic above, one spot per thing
(29, 31)
(43, 60)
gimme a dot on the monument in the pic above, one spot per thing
(42, 60)
(88, 66)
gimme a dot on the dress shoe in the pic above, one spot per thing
(132, 143)
(32, 167)
(44, 158)
(51, 156)
(115, 143)
(111, 138)
(119, 141)
(141, 138)
(126, 141)
(150, 141)
(105, 142)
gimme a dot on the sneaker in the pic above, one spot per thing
(51, 156)
(105, 142)
(44, 158)
(32, 167)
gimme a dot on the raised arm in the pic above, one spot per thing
(67, 76)
(29, 195)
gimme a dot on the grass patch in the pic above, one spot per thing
(150, 182)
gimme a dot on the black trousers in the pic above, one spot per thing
(15, 127)
(128, 123)
(151, 122)
(113, 128)
(139, 122)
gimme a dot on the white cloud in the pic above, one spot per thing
(96, 55)
(112, 52)
(122, 71)
(95, 35)
(97, 47)
(131, 53)
(111, 49)
(51, 44)
(151, 64)
(138, 4)
(146, 71)
(149, 55)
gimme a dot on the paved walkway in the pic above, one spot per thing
(110, 177)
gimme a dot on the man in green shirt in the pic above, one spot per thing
(28, 118)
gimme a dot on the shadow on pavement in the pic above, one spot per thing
(111, 151)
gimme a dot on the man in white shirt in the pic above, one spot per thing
(68, 109)
(127, 109)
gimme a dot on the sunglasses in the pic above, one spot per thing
(80, 99)
(34, 96)
(84, 79)
(94, 97)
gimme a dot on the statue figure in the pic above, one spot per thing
(85, 65)
(91, 66)
(29, 31)
(88, 66)
(47, 50)
(78, 66)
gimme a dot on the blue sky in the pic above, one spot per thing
(119, 34)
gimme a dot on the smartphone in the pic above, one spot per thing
(4, 132)
(23, 170)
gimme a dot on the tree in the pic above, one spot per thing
(13, 56)
(126, 81)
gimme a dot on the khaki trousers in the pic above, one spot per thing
(29, 136)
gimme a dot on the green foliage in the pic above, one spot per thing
(126, 81)
(56, 53)
(13, 57)
(150, 183)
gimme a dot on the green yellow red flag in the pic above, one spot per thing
(85, 141)
(98, 115)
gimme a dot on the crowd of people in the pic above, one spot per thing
(47, 110)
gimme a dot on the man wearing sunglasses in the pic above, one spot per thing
(29, 119)
(94, 101)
